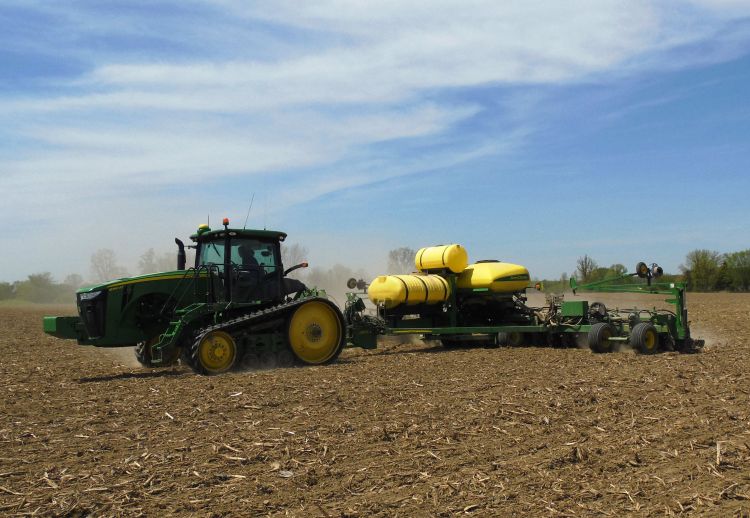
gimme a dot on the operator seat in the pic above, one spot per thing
(248, 275)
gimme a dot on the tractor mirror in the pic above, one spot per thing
(295, 267)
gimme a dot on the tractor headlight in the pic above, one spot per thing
(89, 295)
(92, 308)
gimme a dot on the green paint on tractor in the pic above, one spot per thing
(234, 306)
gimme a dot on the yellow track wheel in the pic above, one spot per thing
(216, 352)
(316, 332)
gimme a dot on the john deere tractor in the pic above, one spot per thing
(235, 306)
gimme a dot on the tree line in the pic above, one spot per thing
(104, 266)
(708, 270)
(703, 270)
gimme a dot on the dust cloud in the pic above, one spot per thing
(124, 356)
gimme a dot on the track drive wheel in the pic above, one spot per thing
(143, 354)
(214, 352)
(315, 331)
(644, 338)
(599, 337)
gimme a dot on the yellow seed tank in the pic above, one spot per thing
(451, 257)
(390, 291)
(493, 275)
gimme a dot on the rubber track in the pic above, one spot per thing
(240, 322)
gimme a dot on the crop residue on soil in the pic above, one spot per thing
(405, 430)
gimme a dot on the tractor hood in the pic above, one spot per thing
(123, 311)
(124, 281)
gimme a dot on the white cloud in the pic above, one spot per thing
(355, 75)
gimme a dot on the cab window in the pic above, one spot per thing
(212, 252)
(245, 254)
(249, 253)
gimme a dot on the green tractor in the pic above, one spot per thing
(234, 307)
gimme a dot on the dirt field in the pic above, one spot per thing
(406, 430)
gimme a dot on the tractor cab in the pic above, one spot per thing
(245, 264)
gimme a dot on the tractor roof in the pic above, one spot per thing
(208, 235)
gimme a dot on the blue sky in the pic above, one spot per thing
(532, 132)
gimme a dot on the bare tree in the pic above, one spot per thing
(167, 262)
(150, 262)
(333, 280)
(292, 255)
(73, 280)
(147, 262)
(104, 266)
(585, 266)
(401, 260)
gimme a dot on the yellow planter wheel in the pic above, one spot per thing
(316, 332)
(644, 338)
(215, 353)
(599, 337)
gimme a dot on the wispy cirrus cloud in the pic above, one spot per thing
(323, 91)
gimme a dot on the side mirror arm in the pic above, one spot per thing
(295, 267)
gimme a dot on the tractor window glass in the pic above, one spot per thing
(249, 253)
(212, 252)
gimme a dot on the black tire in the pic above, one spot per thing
(644, 338)
(514, 339)
(599, 337)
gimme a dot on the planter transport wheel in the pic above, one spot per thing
(599, 337)
(644, 338)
